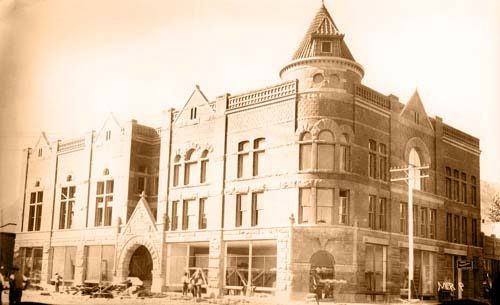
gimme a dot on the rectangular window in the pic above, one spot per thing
(240, 202)
(372, 212)
(257, 207)
(324, 210)
(63, 262)
(104, 203)
(305, 156)
(35, 211)
(463, 193)
(202, 219)
(185, 214)
(305, 208)
(203, 170)
(403, 217)
(243, 157)
(31, 263)
(376, 267)
(175, 179)
(326, 47)
(187, 172)
(449, 227)
(424, 222)
(344, 158)
(448, 183)
(415, 220)
(344, 207)
(66, 208)
(193, 113)
(382, 214)
(456, 233)
(432, 225)
(464, 230)
(456, 189)
(99, 263)
(474, 232)
(473, 190)
(372, 159)
(258, 157)
(175, 217)
(383, 161)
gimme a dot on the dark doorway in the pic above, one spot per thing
(141, 265)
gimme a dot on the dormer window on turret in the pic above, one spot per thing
(326, 47)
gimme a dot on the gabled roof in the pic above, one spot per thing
(415, 104)
(322, 26)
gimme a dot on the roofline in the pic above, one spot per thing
(351, 65)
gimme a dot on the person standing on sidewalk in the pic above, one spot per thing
(3, 282)
(185, 284)
(16, 286)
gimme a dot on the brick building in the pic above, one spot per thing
(268, 190)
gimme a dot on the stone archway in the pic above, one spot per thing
(137, 250)
(322, 274)
(141, 265)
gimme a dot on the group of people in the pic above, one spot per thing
(14, 281)
(192, 283)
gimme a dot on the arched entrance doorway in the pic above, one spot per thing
(141, 265)
(322, 274)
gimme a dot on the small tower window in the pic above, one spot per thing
(417, 117)
(40, 152)
(193, 113)
(108, 135)
(326, 47)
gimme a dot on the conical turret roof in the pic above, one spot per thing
(322, 28)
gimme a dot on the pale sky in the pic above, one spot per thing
(66, 64)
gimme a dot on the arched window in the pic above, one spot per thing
(177, 167)
(344, 153)
(415, 162)
(326, 149)
(258, 156)
(305, 151)
(243, 157)
(203, 166)
(105, 172)
(189, 164)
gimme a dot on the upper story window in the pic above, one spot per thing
(35, 211)
(456, 188)
(463, 188)
(188, 214)
(344, 207)
(203, 166)
(104, 203)
(416, 117)
(40, 152)
(372, 212)
(193, 113)
(473, 190)
(433, 224)
(108, 135)
(177, 168)
(326, 47)
(382, 214)
(141, 180)
(241, 209)
(202, 217)
(175, 217)
(326, 148)
(305, 151)
(344, 153)
(254, 166)
(257, 208)
(189, 165)
(403, 217)
(424, 222)
(66, 208)
(258, 156)
(382, 149)
(415, 162)
(372, 159)
(243, 158)
(448, 183)
(324, 205)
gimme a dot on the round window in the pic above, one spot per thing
(318, 78)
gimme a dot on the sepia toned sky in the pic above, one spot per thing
(66, 64)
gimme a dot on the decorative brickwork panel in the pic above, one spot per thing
(261, 117)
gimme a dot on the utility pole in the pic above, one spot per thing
(412, 173)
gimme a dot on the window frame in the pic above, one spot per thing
(67, 204)
(104, 208)
(35, 211)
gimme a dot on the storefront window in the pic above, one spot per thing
(63, 262)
